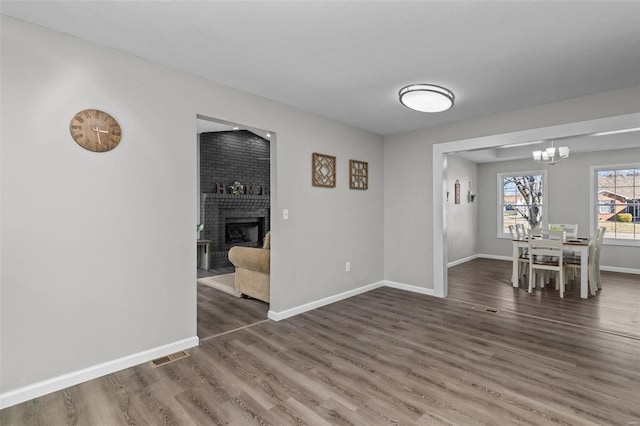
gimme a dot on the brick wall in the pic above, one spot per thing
(227, 157)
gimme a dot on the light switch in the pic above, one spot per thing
(285, 214)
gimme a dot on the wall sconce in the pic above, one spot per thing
(471, 197)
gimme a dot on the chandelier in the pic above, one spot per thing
(551, 155)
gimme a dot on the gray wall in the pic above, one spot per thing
(408, 255)
(98, 250)
(462, 219)
(568, 200)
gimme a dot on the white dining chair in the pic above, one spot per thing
(570, 231)
(522, 231)
(596, 264)
(523, 257)
(573, 262)
(545, 254)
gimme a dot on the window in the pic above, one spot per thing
(521, 200)
(606, 206)
(616, 202)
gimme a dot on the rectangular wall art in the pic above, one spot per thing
(324, 170)
(358, 174)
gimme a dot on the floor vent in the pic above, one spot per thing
(484, 308)
(169, 358)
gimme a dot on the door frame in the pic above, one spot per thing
(439, 170)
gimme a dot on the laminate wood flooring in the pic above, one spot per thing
(615, 308)
(219, 312)
(383, 357)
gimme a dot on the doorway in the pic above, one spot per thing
(234, 209)
(439, 174)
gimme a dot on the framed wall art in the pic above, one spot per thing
(358, 174)
(324, 170)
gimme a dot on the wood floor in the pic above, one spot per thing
(382, 357)
(219, 312)
(616, 308)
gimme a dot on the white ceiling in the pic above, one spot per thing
(579, 144)
(207, 124)
(347, 60)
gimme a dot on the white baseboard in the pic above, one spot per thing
(278, 316)
(617, 269)
(407, 287)
(44, 387)
(461, 261)
(495, 256)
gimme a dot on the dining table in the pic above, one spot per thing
(580, 244)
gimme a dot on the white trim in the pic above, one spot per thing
(461, 261)
(439, 212)
(408, 287)
(64, 381)
(495, 257)
(593, 202)
(620, 242)
(621, 270)
(278, 316)
(288, 313)
(439, 169)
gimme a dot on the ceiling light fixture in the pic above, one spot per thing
(426, 98)
(548, 156)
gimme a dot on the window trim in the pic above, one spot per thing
(593, 202)
(500, 198)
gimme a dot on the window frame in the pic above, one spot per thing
(500, 198)
(593, 202)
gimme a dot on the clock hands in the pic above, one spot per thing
(98, 131)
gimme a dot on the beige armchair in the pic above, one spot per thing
(253, 269)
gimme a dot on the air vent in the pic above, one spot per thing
(484, 308)
(169, 359)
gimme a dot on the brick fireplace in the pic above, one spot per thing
(233, 219)
(240, 212)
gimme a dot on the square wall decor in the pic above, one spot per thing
(324, 170)
(358, 174)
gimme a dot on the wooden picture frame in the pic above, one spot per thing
(323, 170)
(358, 174)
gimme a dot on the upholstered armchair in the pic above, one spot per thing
(253, 269)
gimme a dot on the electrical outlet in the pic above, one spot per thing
(348, 267)
(285, 214)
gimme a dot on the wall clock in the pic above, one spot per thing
(95, 130)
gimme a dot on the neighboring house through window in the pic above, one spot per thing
(616, 202)
(521, 199)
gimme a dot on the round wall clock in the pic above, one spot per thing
(95, 130)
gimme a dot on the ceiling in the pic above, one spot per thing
(579, 144)
(347, 60)
(207, 124)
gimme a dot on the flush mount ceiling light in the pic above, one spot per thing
(426, 98)
(548, 155)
